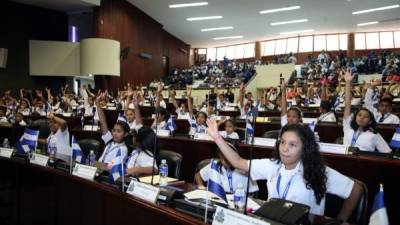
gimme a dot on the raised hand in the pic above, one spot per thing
(189, 90)
(348, 76)
(212, 127)
(159, 88)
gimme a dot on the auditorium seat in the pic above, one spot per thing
(241, 133)
(90, 144)
(339, 140)
(44, 127)
(272, 134)
(333, 204)
(174, 161)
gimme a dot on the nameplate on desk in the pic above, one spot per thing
(163, 133)
(90, 127)
(220, 117)
(66, 114)
(229, 109)
(201, 136)
(268, 142)
(39, 159)
(224, 216)
(143, 191)
(396, 100)
(6, 152)
(313, 105)
(111, 108)
(183, 117)
(85, 172)
(332, 148)
(262, 119)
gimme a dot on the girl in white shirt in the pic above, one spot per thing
(198, 123)
(360, 129)
(140, 162)
(116, 140)
(297, 172)
(327, 115)
(291, 116)
(229, 131)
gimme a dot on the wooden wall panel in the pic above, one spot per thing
(120, 20)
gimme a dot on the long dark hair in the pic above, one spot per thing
(145, 141)
(126, 129)
(314, 169)
(371, 126)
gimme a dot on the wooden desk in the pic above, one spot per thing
(43, 195)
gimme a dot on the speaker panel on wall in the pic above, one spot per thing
(3, 57)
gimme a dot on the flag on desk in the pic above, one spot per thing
(251, 116)
(379, 215)
(395, 143)
(192, 121)
(117, 169)
(171, 126)
(312, 125)
(28, 141)
(214, 184)
(77, 154)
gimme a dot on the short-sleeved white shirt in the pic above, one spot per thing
(237, 177)
(266, 169)
(61, 138)
(111, 149)
(139, 158)
(232, 135)
(366, 141)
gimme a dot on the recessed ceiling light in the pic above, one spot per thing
(376, 9)
(367, 23)
(230, 37)
(188, 4)
(297, 32)
(279, 9)
(216, 28)
(204, 18)
(289, 22)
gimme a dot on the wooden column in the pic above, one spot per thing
(258, 50)
(350, 45)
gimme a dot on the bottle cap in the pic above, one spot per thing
(91, 151)
(163, 161)
(240, 185)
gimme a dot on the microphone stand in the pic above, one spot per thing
(250, 163)
(93, 122)
(154, 149)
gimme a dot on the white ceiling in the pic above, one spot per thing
(62, 5)
(325, 16)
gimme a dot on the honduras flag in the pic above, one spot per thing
(117, 169)
(171, 126)
(214, 184)
(395, 143)
(251, 116)
(312, 125)
(122, 118)
(28, 141)
(77, 154)
(379, 214)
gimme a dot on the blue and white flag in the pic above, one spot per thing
(193, 123)
(122, 118)
(28, 141)
(117, 169)
(249, 128)
(395, 143)
(214, 184)
(251, 116)
(77, 154)
(379, 215)
(312, 125)
(171, 126)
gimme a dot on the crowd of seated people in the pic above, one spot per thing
(212, 73)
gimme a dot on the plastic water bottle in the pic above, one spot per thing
(6, 143)
(92, 158)
(163, 173)
(52, 149)
(239, 197)
(316, 136)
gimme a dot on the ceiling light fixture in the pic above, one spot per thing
(280, 9)
(216, 28)
(297, 32)
(289, 22)
(204, 18)
(183, 5)
(367, 23)
(376, 9)
(230, 37)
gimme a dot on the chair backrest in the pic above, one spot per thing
(90, 144)
(272, 134)
(44, 127)
(202, 164)
(174, 161)
(241, 132)
(339, 140)
(333, 204)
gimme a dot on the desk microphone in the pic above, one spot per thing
(254, 117)
(155, 145)
(94, 121)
